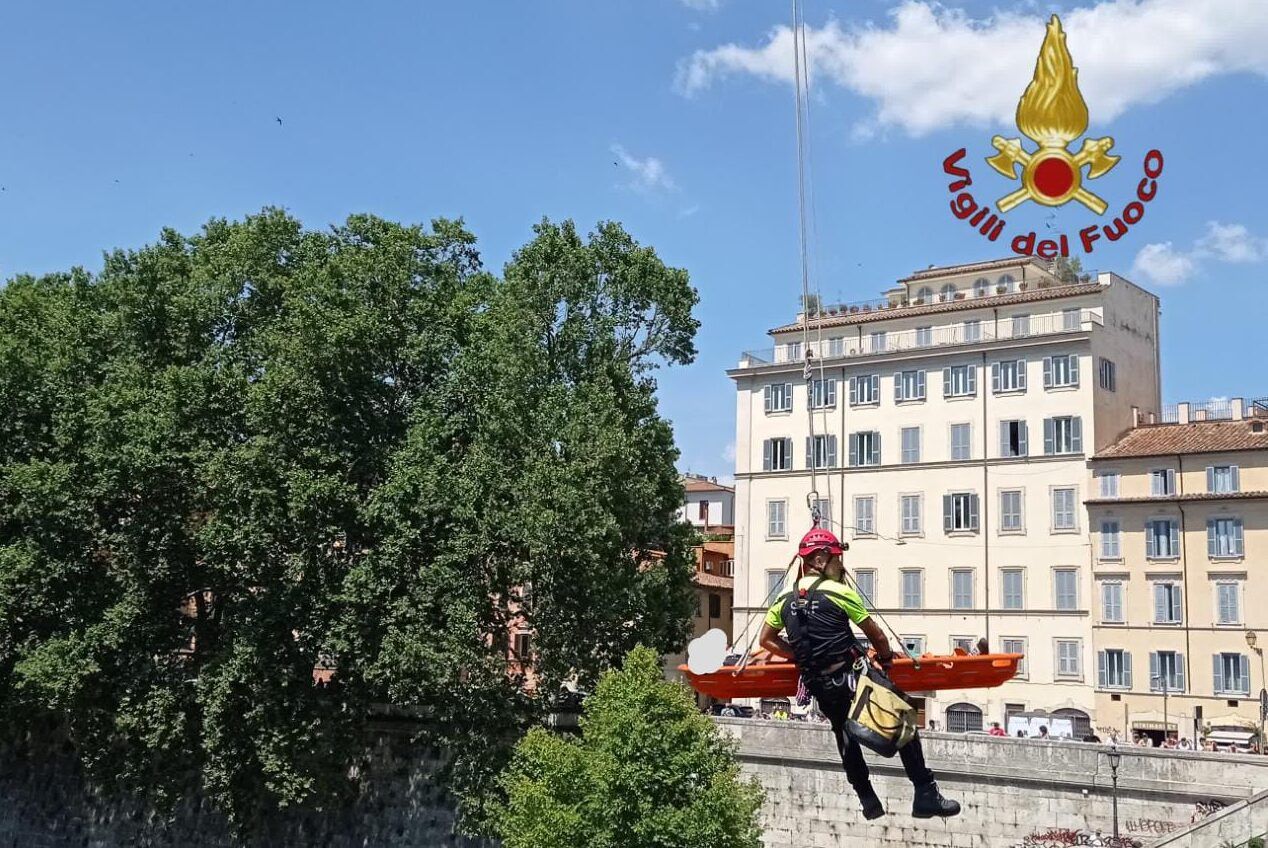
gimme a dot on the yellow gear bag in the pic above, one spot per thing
(879, 716)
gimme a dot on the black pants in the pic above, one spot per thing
(912, 755)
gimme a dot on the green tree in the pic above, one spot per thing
(649, 771)
(1069, 271)
(230, 457)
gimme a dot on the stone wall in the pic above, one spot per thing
(1014, 792)
(44, 803)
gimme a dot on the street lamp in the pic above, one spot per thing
(1165, 687)
(1251, 639)
(1114, 759)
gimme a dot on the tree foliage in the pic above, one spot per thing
(649, 771)
(230, 457)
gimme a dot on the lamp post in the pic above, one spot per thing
(1251, 639)
(1166, 723)
(1114, 759)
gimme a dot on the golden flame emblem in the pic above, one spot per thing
(1052, 113)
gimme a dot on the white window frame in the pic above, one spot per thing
(1111, 543)
(1175, 681)
(961, 505)
(1162, 482)
(1057, 574)
(1236, 587)
(1231, 483)
(965, 643)
(904, 596)
(909, 525)
(869, 598)
(772, 532)
(924, 337)
(1123, 680)
(771, 575)
(1061, 371)
(973, 331)
(785, 404)
(1007, 427)
(908, 456)
(1109, 482)
(867, 529)
(913, 644)
(1228, 546)
(1175, 602)
(1004, 595)
(1173, 538)
(959, 381)
(769, 454)
(1073, 313)
(1017, 645)
(823, 393)
(1004, 513)
(878, 341)
(1014, 368)
(1220, 684)
(910, 386)
(1058, 672)
(962, 427)
(858, 458)
(821, 451)
(865, 384)
(1073, 526)
(1021, 326)
(836, 346)
(955, 575)
(1067, 435)
(1118, 588)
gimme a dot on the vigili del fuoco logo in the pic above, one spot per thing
(1052, 114)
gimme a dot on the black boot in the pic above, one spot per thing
(872, 807)
(929, 803)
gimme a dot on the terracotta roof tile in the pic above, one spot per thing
(1197, 437)
(712, 581)
(692, 484)
(1029, 296)
(1196, 496)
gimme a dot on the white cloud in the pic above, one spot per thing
(931, 67)
(689, 211)
(1163, 265)
(728, 453)
(1231, 243)
(702, 5)
(646, 175)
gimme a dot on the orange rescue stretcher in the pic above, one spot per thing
(761, 679)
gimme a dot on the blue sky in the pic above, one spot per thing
(672, 116)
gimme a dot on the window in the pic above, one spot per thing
(909, 385)
(962, 643)
(1167, 600)
(836, 347)
(774, 585)
(865, 515)
(915, 645)
(1015, 646)
(1011, 710)
(1008, 376)
(1224, 538)
(1232, 674)
(866, 580)
(728, 568)
(823, 393)
(913, 590)
(822, 507)
(1021, 325)
(704, 511)
(1008, 283)
(1228, 606)
(1060, 371)
(959, 381)
(1011, 589)
(962, 718)
(1065, 588)
(911, 444)
(865, 449)
(523, 646)
(1166, 670)
(1110, 540)
(1109, 484)
(715, 605)
(961, 441)
(1064, 516)
(1112, 602)
(1010, 520)
(961, 588)
(1114, 669)
(981, 287)
(793, 351)
(1069, 658)
(865, 389)
(1222, 479)
(878, 341)
(911, 511)
(1162, 482)
(1070, 319)
(1063, 434)
(1109, 375)
(821, 452)
(925, 294)
(924, 336)
(1012, 438)
(778, 397)
(776, 513)
(1162, 539)
(947, 292)
(973, 331)
(959, 512)
(777, 455)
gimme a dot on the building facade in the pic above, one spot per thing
(707, 504)
(952, 421)
(714, 587)
(1179, 515)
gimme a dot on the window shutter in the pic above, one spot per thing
(972, 512)
(1237, 537)
(1076, 429)
(1049, 444)
(1244, 678)
(1217, 662)
(1151, 549)
(876, 388)
(854, 390)
(1171, 481)
(946, 513)
(995, 377)
(1127, 669)
(1155, 685)
(810, 452)
(766, 395)
(767, 447)
(1210, 535)
(1074, 370)
(1160, 605)
(1004, 432)
(832, 451)
(898, 386)
(876, 449)
(972, 385)
(1047, 372)
(787, 397)
(832, 391)
(1177, 602)
(1021, 438)
(854, 449)
(920, 385)
(1237, 483)
(1174, 527)
(1021, 374)
(1100, 669)
(1180, 672)
(1210, 478)
(946, 382)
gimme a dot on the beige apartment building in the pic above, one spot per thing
(953, 420)
(1179, 514)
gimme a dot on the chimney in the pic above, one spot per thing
(1239, 408)
(1135, 417)
(1182, 412)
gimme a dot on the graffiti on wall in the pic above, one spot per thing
(1062, 837)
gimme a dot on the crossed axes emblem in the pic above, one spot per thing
(1061, 177)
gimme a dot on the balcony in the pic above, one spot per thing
(932, 339)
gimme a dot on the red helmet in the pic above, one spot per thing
(818, 539)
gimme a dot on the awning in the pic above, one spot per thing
(1231, 737)
(1232, 721)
